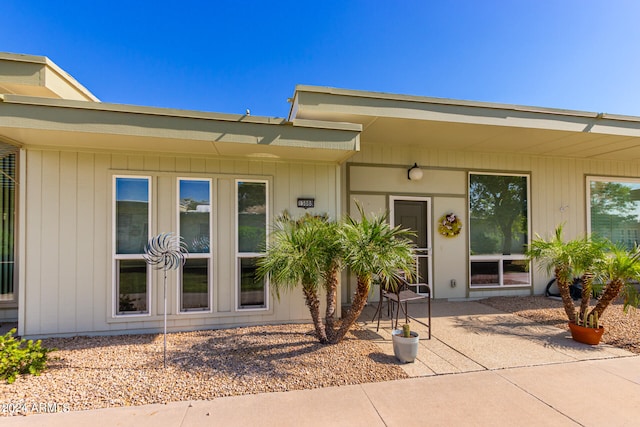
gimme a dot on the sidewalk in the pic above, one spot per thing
(482, 367)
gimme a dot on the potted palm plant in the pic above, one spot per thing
(601, 265)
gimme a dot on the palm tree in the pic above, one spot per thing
(372, 247)
(595, 259)
(588, 257)
(561, 258)
(302, 252)
(331, 267)
(617, 268)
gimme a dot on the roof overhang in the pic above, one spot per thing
(472, 126)
(39, 76)
(46, 122)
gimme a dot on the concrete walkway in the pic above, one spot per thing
(481, 368)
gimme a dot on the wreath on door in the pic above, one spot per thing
(449, 225)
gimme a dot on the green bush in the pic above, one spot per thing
(21, 357)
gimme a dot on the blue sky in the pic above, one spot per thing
(227, 56)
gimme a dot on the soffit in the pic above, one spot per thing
(43, 123)
(472, 126)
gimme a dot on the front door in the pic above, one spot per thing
(414, 213)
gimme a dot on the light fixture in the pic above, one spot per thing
(414, 173)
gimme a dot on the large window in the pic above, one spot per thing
(614, 209)
(251, 233)
(131, 233)
(195, 228)
(498, 230)
(7, 225)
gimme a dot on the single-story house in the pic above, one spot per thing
(85, 184)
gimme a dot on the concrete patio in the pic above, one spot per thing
(469, 336)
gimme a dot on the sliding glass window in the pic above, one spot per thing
(132, 216)
(251, 238)
(194, 207)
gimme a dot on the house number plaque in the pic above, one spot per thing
(306, 203)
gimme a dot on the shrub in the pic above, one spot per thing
(21, 357)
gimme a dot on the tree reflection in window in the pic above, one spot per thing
(498, 207)
(615, 211)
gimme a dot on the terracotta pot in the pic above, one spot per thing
(586, 335)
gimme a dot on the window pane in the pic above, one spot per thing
(195, 284)
(498, 207)
(485, 273)
(132, 286)
(252, 289)
(515, 272)
(252, 219)
(195, 211)
(132, 215)
(7, 225)
(615, 211)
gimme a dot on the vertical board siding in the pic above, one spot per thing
(102, 266)
(50, 251)
(68, 276)
(68, 241)
(84, 250)
(226, 259)
(33, 246)
(69, 270)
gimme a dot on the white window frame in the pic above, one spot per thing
(239, 255)
(208, 256)
(499, 258)
(116, 257)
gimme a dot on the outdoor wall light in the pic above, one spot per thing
(414, 173)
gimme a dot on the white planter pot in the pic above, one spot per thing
(405, 349)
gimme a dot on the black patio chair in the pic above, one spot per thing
(401, 296)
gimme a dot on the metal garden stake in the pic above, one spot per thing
(165, 252)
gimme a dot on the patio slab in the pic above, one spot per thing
(468, 336)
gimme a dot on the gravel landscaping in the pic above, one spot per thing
(97, 372)
(621, 329)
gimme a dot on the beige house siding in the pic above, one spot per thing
(67, 278)
(557, 195)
